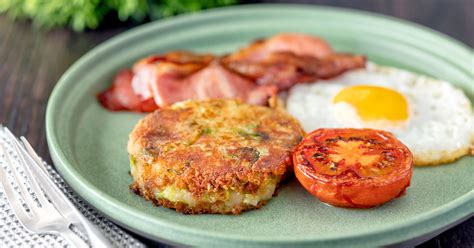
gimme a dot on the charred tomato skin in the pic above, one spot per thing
(354, 168)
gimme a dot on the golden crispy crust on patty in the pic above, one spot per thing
(211, 147)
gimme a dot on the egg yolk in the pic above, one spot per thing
(374, 102)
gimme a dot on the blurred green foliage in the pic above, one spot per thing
(82, 14)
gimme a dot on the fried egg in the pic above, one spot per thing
(432, 117)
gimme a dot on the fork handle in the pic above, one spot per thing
(73, 239)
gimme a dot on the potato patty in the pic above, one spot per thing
(214, 156)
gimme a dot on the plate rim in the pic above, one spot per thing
(457, 208)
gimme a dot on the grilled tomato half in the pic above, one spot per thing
(356, 168)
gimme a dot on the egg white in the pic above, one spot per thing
(440, 127)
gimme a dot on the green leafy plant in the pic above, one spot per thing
(82, 14)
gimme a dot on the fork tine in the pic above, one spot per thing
(12, 196)
(38, 167)
(33, 183)
(33, 155)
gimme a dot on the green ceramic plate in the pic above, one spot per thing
(88, 143)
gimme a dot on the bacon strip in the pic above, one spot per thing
(149, 71)
(120, 95)
(285, 69)
(287, 59)
(212, 81)
(297, 44)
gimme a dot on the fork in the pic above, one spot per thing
(41, 216)
(61, 202)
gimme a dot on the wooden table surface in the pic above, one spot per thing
(32, 61)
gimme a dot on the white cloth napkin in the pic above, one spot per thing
(13, 234)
